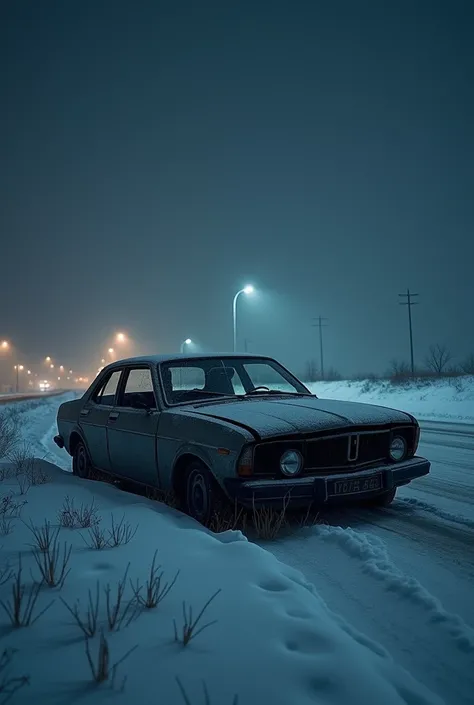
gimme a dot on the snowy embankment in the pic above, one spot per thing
(449, 399)
(266, 634)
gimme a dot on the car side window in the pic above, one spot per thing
(138, 392)
(106, 393)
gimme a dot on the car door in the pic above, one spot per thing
(94, 418)
(132, 428)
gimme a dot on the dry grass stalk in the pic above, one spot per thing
(88, 624)
(9, 507)
(154, 591)
(102, 670)
(6, 525)
(228, 520)
(97, 538)
(9, 685)
(117, 613)
(188, 630)
(44, 535)
(20, 609)
(267, 521)
(9, 434)
(52, 567)
(83, 517)
(207, 697)
(167, 497)
(5, 573)
(122, 533)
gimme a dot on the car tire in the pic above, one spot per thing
(384, 499)
(81, 464)
(202, 496)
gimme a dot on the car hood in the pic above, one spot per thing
(285, 416)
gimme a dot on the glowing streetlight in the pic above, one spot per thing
(5, 345)
(188, 341)
(61, 367)
(103, 361)
(48, 359)
(52, 366)
(111, 351)
(28, 372)
(121, 338)
(246, 290)
(18, 369)
(70, 372)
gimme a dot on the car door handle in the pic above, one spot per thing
(113, 416)
(85, 412)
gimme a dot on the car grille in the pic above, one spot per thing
(330, 453)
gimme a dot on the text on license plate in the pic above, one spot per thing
(367, 484)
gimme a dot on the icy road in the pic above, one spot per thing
(405, 575)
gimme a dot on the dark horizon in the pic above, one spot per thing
(158, 158)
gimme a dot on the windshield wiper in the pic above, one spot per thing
(253, 392)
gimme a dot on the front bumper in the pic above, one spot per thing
(318, 489)
(59, 440)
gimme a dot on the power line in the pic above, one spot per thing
(410, 303)
(320, 325)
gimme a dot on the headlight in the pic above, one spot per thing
(291, 462)
(398, 448)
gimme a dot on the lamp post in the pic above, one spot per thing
(246, 290)
(188, 341)
(18, 369)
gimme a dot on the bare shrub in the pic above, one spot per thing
(188, 629)
(22, 605)
(312, 373)
(97, 538)
(9, 434)
(467, 366)
(83, 517)
(9, 685)
(207, 697)
(154, 591)
(87, 624)
(9, 507)
(438, 359)
(267, 521)
(119, 613)
(102, 670)
(332, 375)
(44, 536)
(52, 565)
(400, 372)
(121, 533)
(6, 472)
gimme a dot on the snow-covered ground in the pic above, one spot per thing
(444, 399)
(313, 623)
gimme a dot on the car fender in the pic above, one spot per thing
(221, 466)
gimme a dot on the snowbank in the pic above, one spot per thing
(444, 399)
(271, 638)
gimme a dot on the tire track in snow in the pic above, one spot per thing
(373, 553)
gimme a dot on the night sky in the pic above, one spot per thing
(158, 156)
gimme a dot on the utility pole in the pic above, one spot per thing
(246, 344)
(320, 325)
(410, 303)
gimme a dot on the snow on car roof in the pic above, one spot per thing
(186, 356)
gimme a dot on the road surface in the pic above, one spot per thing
(405, 575)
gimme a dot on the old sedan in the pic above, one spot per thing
(239, 427)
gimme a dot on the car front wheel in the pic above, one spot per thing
(81, 465)
(202, 493)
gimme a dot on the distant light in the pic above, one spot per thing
(249, 290)
(48, 359)
(20, 367)
(111, 351)
(70, 372)
(188, 341)
(28, 372)
(61, 367)
(52, 366)
(103, 360)
(5, 344)
(120, 337)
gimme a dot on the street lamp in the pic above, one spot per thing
(246, 290)
(121, 338)
(188, 341)
(5, 345)
(18, 369)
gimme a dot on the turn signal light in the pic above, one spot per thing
(245, 466)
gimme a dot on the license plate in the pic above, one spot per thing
(336, 488)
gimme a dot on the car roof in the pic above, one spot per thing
(156, 359)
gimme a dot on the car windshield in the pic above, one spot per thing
(201, 379)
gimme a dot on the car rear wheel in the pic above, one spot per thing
(81, 465)
(202, 494)
(384, 499)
